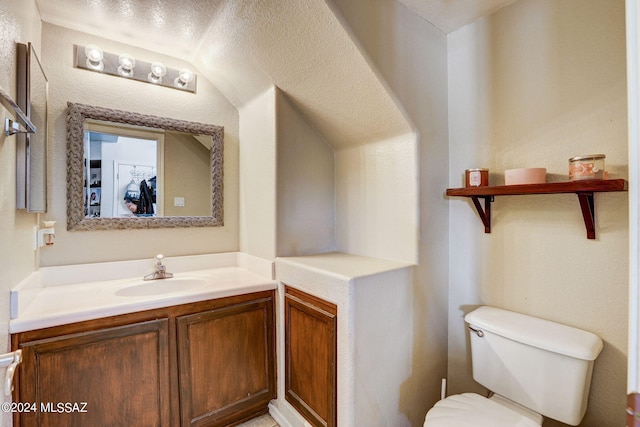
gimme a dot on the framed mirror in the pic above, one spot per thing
(128, 170)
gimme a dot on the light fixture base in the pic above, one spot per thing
(140, 70)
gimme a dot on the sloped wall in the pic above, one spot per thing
(300, 47)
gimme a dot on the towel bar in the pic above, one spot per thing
(11, 362)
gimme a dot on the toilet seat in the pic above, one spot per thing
(473, 410)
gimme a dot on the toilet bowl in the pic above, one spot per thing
(474, 410)
(534, 368)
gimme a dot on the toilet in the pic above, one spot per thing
(533, 368)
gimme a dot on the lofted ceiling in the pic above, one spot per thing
(450, 15)
(246, 47)
(178, 27)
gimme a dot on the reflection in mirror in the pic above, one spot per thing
(121, 179)
(128, 170)
(128, 167)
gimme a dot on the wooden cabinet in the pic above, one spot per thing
(226, 362)
(209, 363)
(117, 376)
(310, 356)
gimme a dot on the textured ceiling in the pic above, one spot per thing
(246, 46)
(171, 27)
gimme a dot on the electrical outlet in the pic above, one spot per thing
(178, 201)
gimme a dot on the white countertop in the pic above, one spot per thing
(343, 265)
(68, 303)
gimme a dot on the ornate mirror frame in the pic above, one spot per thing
(76, 220)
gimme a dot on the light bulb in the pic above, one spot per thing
(184, 77)
(158, 70)
(127, 64)
(94, 57)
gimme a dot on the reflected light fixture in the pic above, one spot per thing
(94, 57)
(127, 64)
(185, 76)
(158, 70)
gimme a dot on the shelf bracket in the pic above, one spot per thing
(588, 213)
(485, 213)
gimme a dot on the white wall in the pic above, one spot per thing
(376, 199)
(411, 56)
(258, 176)
(532, 85)
(306, 213)
(20, 22)
(76, 85)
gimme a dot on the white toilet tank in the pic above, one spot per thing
(539, 364)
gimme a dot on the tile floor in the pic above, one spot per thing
(263, 421)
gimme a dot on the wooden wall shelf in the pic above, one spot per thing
(584, 190)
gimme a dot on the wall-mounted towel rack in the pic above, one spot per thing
(11, 362)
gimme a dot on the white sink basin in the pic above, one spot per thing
(161, 286)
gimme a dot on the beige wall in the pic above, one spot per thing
(76, 85)
(530, 86)
(187, 164)
(376, 199)
(411, 56)
(306, 213)
(20, 22)
(258, 176)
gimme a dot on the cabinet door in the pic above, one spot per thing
(226, 363)
(310, 356)
(121, 373)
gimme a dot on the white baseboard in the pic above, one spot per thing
(278, 417)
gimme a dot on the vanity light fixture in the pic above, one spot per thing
(95, 57)
(92, 58)
(185, 76)
(127, 65)
(158, 71)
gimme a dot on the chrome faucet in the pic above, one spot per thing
(159, 271)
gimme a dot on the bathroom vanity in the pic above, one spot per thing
(208, 361)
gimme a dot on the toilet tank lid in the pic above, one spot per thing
(536, 332)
